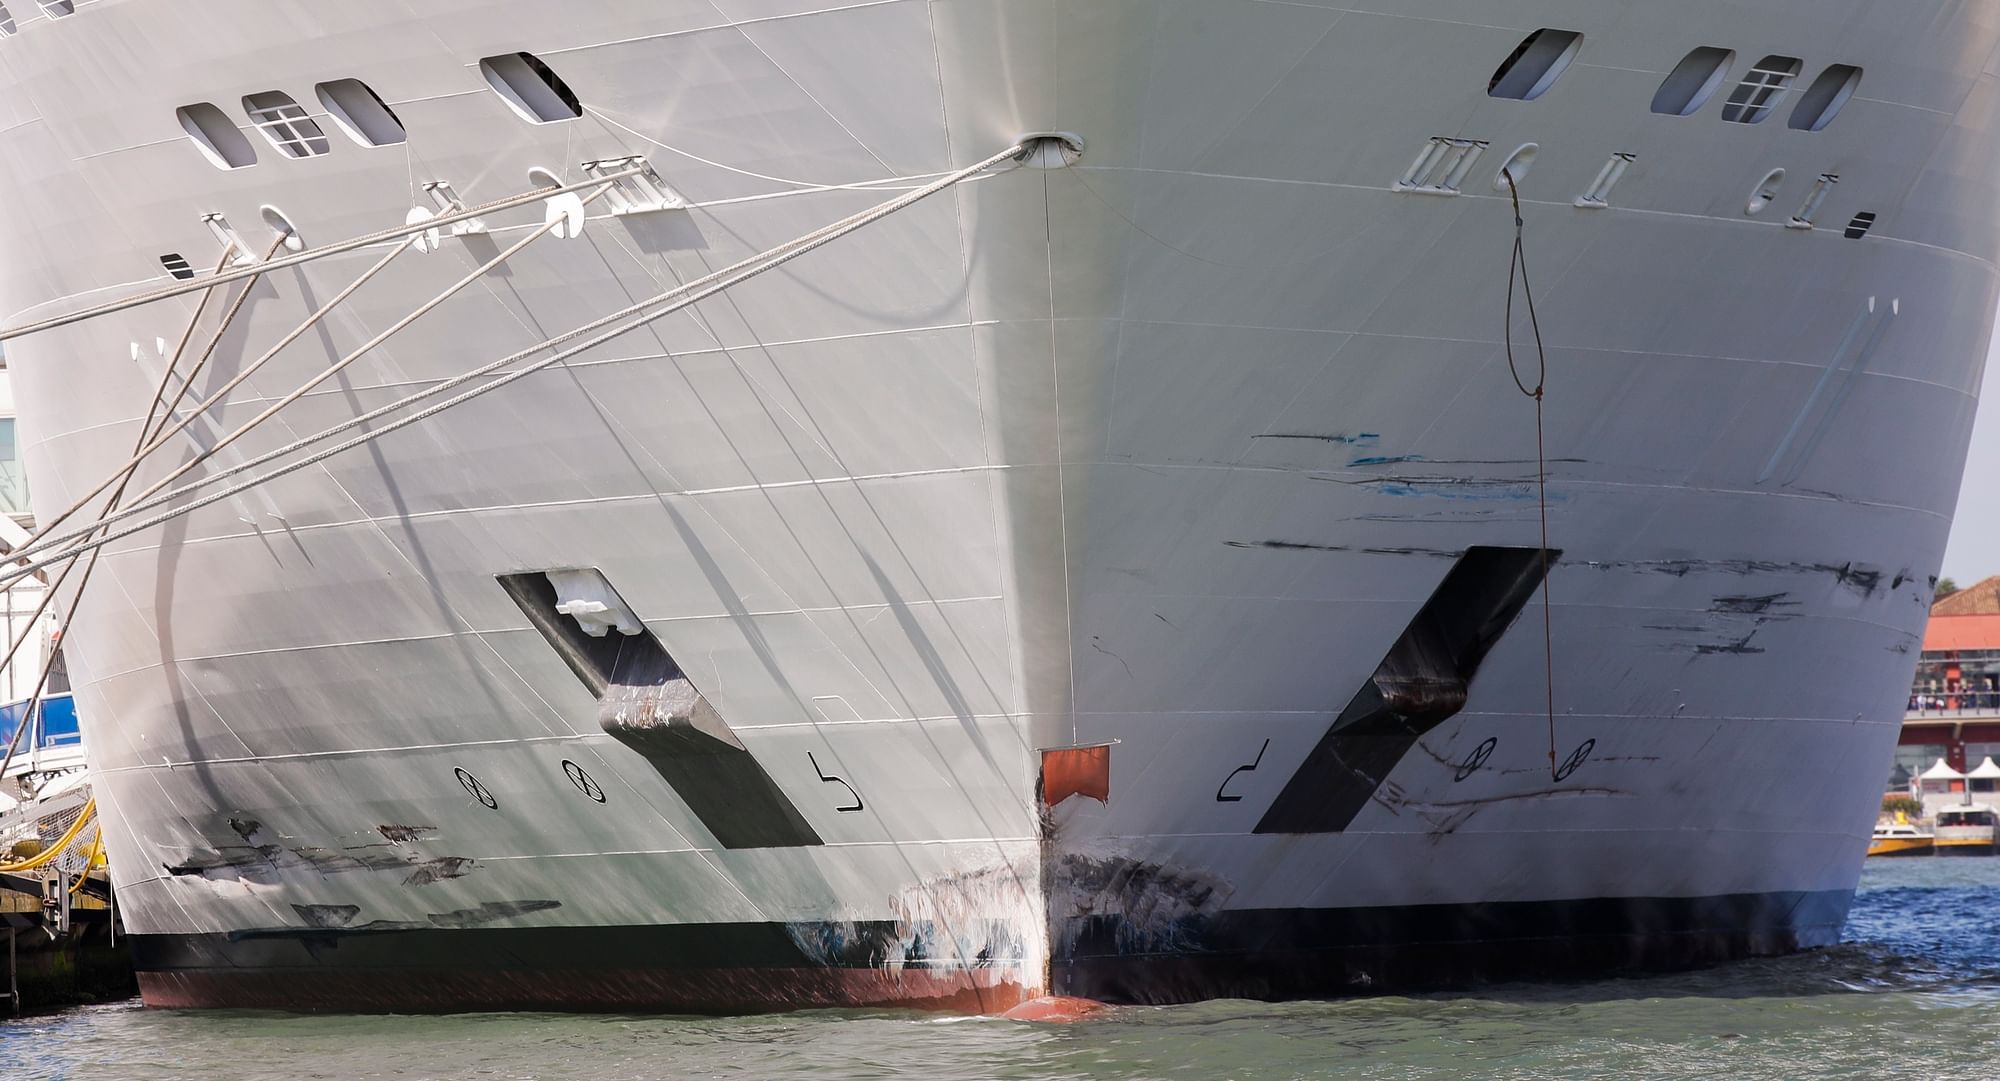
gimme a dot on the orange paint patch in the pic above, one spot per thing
(1056, 1010)
(1076, 771)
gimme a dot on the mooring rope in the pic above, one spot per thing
(673, 300)
(1517, 264)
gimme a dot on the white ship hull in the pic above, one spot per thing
(1164, 450)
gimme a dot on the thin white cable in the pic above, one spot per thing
(692, 293)
(145, 504)
(202, 407)
(364, 349)
(799, 187)
(400, 232)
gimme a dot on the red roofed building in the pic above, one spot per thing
(1955, 702)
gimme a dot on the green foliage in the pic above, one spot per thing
(1910, 807)
(1945, 588)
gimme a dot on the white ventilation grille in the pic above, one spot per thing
(56, 9)
(286, 124)
(1442, 166)
(1761, 90)
(7, 26)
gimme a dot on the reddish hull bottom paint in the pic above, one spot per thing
(710, 991)
(1057, 1010)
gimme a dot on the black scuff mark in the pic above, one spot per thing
(1515, 797)
(268, 864)
(440, 869)
(1160, 906)
(1359, 439)
(327, 862)
(1741, 647)
(489, 912)
(246, 828)
(1858, 577)
(317, 936)
(1303, 546)
(1460, 811)
(1459, 489)
(325, 916)
(400, 835)
(1418, 459)
(252, 862)
(1096, 644)
(1751, 606)
(1863, 580)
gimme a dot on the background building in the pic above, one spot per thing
(18, 603)
(1954, 708)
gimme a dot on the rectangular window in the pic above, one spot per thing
(1762, 89)
(286, 124)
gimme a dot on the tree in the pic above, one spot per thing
(1945, 588)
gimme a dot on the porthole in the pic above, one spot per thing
(359, 112)
(1766, 192)
(531, 88)
(285, 123)
(1761, 89)
(1535, 64)
(1824, 99)
(1693, 81)
(56, 9)
(177, 265)
(218, 137)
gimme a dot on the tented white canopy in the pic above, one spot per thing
(1943, 772)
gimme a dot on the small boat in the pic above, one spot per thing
(1965, 830)
(1900, 838)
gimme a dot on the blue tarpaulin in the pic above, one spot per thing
(57, 725)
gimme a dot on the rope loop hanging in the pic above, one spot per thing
(1517, 270)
